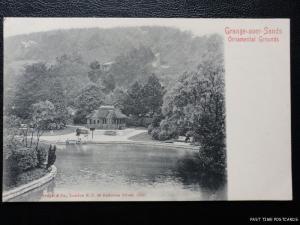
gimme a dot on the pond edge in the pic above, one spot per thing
(7, 195)
(166, 145)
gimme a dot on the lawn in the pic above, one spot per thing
(67, 130)
(142, 137)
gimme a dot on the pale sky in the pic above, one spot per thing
(24, 25)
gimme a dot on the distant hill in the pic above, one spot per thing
(175, 51)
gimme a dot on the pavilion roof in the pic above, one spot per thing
(107, 112)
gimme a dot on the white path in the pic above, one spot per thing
(121, 137)
(98, 136)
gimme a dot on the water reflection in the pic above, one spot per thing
(149, 173)
(189, 172)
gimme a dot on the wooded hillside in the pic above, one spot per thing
(167, 52)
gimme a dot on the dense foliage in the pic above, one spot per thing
(75, 60)
(136, 64)
(142, 102)
(42, 155)
(24, 164)
(153, 93)
(39, 83)
(195, 106)
(134, 102)
(172, 51)
(25, 158)
(90, 98)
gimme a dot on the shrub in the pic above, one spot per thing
(164, 124)
(24, 158)
(167, 130)
(51, 156)
(146, 121)
(10, 169)
(10, 172)
(166, 135)
(135, 121)
(41, 155)
(30, 175)
(157, 118)
(9, 145)
(155, 133)
(150, 128)
(189, 134)
(163, 135)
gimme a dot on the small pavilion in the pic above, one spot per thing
(106, 117)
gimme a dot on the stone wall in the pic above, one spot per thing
(7, 195)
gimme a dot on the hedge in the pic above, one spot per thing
(25, 158)
(22, 160)
(42, 155)
(51, 156)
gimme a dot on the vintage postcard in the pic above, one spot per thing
(146, 109)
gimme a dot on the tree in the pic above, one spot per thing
(196, 105)
(134, 65)
(31, 88)
(134, 103)
(11, 125)
(58, 99)
(103, 79)
(72, 74)
(116, 98)
(108, 82)
(90, 98)
(40, 83)
(153, 93)
(95, 71)
(42, 118)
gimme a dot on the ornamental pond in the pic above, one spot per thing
(127, 172)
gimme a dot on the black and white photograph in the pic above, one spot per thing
(100, 109)
(146, 109)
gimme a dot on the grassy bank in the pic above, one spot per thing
(66, 130)
(142, 137)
